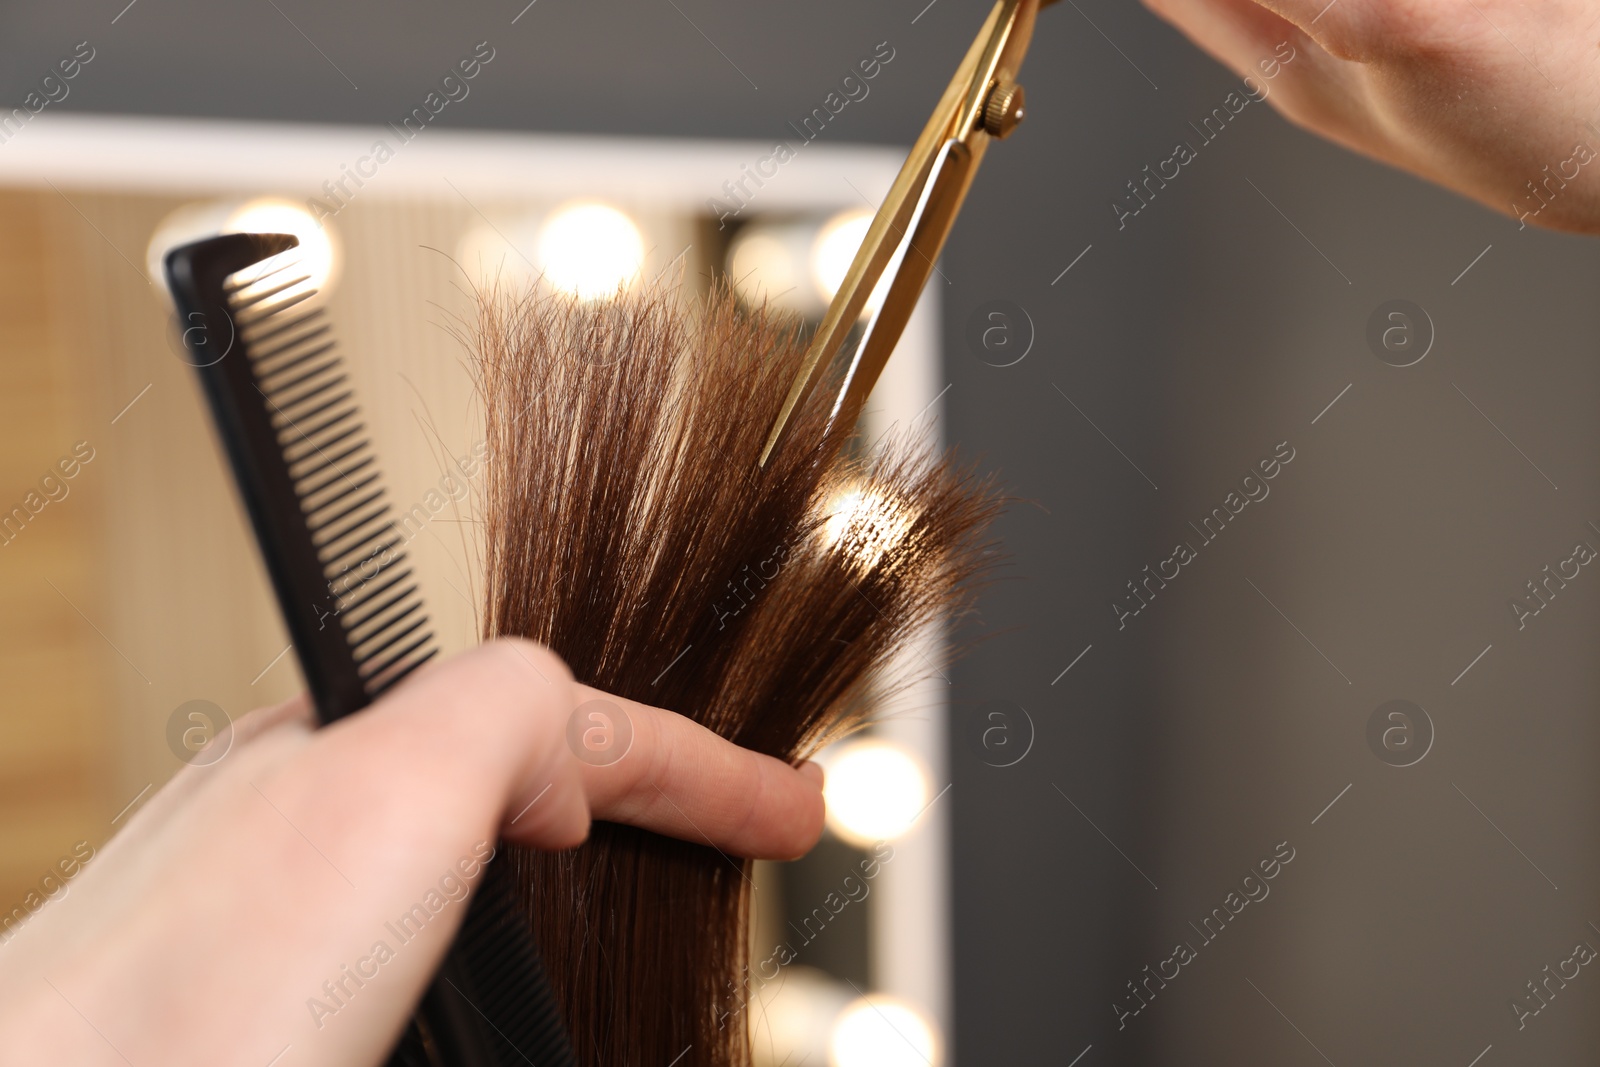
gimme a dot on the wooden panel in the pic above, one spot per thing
(182, 602)
(55, 716)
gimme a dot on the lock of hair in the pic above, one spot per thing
(630, 526)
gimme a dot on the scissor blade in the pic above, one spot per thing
(875, 254)
(930, 224)
(888, 228)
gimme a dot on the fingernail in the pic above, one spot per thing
(812, 770)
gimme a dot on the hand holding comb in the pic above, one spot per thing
(284, 412)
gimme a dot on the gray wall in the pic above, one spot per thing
(1179, 751)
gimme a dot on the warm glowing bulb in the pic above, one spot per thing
(874, 792)
(590, 250)
(792, 1016)
(835, 249)
(865, 525)
(880, 1032)
(767, 266)
(316, 257)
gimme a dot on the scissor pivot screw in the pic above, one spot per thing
(1003, 111)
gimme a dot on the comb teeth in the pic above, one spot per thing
(301, 378)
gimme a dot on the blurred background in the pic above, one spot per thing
(1275, 742)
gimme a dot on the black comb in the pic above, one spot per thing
(286, 415)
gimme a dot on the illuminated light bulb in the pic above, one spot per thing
(864, 525)
(767, 265)
(590, 250)
(874, 792)
(317, 257)
(317, 254)
(792, 1016)
(882, 1032)
(835, 249)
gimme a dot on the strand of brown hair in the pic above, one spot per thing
(629, 527)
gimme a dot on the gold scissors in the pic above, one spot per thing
(983, 101)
